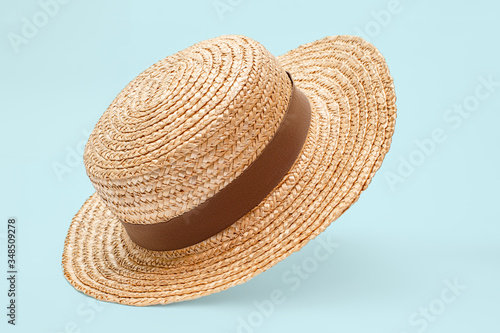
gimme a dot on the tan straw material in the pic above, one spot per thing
(193, 122)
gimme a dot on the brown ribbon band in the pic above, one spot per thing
(240, 196)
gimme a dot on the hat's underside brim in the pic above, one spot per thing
(352, 97)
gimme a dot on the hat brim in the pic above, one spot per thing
(353, 106)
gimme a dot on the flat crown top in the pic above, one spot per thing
(186, 127)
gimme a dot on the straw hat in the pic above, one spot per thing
(221, 160)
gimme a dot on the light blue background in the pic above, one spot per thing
(397, 245)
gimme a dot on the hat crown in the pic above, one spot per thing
(185, 128)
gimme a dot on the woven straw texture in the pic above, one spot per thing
(190, 124)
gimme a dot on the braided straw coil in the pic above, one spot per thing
(193, 122)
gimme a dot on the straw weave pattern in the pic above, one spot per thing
(185, 128)
(353, 115)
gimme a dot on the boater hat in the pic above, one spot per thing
(221, 160)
